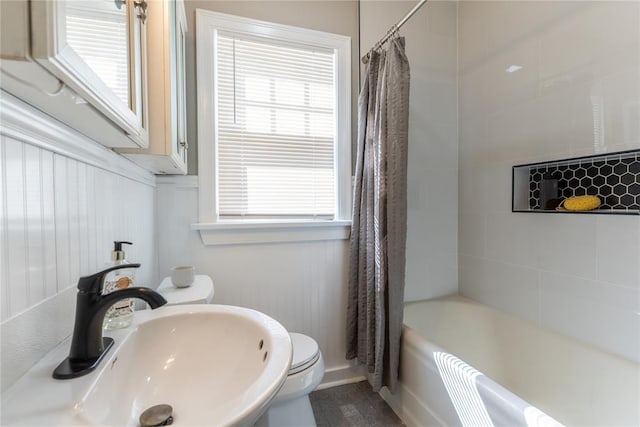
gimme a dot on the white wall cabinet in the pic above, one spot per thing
(81, 61)
(166, 43)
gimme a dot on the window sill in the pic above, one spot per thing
(251, 232)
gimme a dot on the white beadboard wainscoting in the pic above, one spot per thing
(63, 201)
(303, 285)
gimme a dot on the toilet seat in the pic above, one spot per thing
(305, 353)
(291, 405)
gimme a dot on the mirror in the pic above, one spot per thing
(97, 30)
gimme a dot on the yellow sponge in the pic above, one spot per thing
(580, 203)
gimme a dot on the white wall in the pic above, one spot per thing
(432, 243)
(578, 93)
(59, 216)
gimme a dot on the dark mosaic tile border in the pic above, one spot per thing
(615, 178)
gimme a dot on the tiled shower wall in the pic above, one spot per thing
(58, 219)
(576, 93)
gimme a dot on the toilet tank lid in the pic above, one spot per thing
(200, 292)
(305, 349)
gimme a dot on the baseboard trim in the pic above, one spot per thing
(341, 375)
(409, 408)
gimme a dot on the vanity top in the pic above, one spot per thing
(36, 399)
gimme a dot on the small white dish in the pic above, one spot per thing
(183, 276)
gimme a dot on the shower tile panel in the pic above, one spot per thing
(615, 178)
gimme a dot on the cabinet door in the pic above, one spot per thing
(97, 48)
(181, 88)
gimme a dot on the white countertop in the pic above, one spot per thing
(201, 291)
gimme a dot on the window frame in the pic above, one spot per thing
(214, 230)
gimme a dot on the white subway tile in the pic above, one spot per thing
(441, 19)
(618, 246)
(505, 90)
(510, 288)
(589, 135)
(472, 234)
(598, 313)
(513, 238)
(472, 90)
(621, 109)
(567, 244)
(438, 146)
(472, 21)
(469, 273)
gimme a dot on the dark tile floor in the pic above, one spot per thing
(352, 405)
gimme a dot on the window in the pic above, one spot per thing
(273, 127)
(275, 145)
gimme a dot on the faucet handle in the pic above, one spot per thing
(93, 283)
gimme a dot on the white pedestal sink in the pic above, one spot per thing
(215, 365)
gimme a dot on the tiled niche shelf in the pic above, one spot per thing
(614, 177)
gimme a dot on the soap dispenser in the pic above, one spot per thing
(119, 314)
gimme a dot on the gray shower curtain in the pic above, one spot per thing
(378, 231)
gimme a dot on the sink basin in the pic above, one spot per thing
(214, 364)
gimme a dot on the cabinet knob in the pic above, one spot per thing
(184, 144)
(142, 5)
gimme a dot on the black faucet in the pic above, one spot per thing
(88, 346)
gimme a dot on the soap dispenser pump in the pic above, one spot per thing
(120, 315)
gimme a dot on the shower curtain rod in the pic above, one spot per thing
(394, 29)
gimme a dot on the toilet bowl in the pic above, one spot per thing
(291, 406)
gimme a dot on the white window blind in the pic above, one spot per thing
(97, 31)
(275, 129)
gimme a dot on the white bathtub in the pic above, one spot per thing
(463, 363)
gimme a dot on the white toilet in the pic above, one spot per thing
(291, 406)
